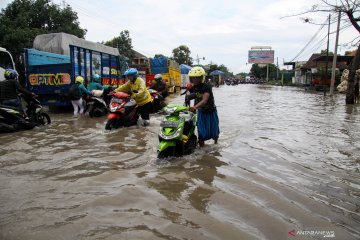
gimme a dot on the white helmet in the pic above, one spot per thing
(158, 77)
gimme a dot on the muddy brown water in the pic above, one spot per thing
(286, 160)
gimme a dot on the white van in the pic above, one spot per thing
(6, 61)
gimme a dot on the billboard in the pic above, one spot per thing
(261, 56)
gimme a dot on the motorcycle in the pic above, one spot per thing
(157, 100)
(12, 119)
(95, 106)
(177, 132)
(123, 111)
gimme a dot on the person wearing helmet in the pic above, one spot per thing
(136, 87)
(96, 83)
(9, 90)
(207, 117)
(160, 86)
(77, 91)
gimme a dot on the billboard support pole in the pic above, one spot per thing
(267, 72)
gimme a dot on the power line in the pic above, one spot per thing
(316, 46)
(322, 41)
(308, 43)
(92, 14)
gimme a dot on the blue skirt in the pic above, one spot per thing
(207, 125)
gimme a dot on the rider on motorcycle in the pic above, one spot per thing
(9, 90)
(160, 86)
(136, 87)
(95, 83)
(99, 90)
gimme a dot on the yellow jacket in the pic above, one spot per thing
(142, 96)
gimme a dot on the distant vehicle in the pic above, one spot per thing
(169, 69)
(6, 61)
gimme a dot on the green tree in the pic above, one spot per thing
(323, 52)
(260, 72)
(256, 70)
(123, 42)
(224, 69)
(181, 55)
(159, 55)
(22, 20)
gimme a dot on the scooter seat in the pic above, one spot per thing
(130, 106)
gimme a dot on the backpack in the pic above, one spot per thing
(74, 92)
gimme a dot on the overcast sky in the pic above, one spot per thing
(222, 31)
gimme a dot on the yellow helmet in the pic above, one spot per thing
(197, 72)
(79, 79)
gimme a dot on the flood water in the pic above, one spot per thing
(286, 159)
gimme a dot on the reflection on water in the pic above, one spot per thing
(286, 159)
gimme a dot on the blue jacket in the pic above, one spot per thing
(95, 86)
(84, 90)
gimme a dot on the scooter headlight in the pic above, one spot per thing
(114, 106)
(172, 136)
(169, 110)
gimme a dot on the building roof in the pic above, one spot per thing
(139, 55)
(318, 59)
(311, 63)
(323, 58)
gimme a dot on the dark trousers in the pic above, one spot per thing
(145, 110)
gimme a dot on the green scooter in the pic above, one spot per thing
(177, 132)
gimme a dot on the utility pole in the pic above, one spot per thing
(335, 56)
(277, 68)
(327, 58)
(198, 59)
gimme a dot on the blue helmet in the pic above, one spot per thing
(10, 74)
(96, 78)
(131, 72)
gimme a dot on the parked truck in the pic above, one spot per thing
(169, 69)
(51, 72)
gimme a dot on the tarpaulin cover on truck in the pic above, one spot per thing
(184, 69)
(216, 72)
(60, 42)
(159, 62)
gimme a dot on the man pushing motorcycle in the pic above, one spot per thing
(136, 87)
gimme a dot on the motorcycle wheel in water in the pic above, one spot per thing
(11, 119)
(177, 132)
(35, 112)
(97, 104)
(123, 111)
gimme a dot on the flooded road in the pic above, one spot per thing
(286, 160)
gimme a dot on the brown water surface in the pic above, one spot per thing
(286, 159)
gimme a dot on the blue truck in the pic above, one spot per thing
(50, 75)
